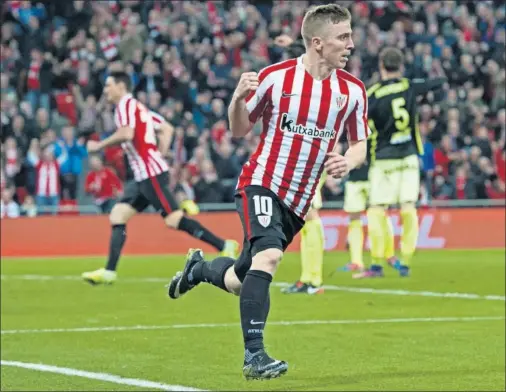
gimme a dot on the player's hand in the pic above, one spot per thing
(283, 40)
(337, 165)
(93, 146)
(247, 83)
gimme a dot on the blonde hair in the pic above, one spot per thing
(317, 17)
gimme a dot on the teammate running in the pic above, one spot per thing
(136, 133)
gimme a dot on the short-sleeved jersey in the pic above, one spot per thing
(302, 120)
(144, 158)
(393, 120)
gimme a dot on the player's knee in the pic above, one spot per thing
(232, 282)
(408, 206)
(312, 214)
(172, 220)
(376, 210)
(267, 260)
(121, 214)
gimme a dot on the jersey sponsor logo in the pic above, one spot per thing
(288, 125)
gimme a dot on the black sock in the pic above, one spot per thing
(267, 307)
(118, 237)
(213, 272)
(195, 229)
(254, 304)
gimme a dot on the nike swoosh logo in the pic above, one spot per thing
(256, 322)
(285, 95)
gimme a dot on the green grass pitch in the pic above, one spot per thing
(388, 337)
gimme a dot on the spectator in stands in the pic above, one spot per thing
(71, 168)
(38, 77)
(29, 208)
(184, 188)
(208, 188)
(185, 59)
(90, 111)
(8, 207)
(12, 158)
(42, 122)
(103, 184)
(21, 133)
(48, 177)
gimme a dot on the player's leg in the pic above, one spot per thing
(355, 203)
(311, 249)
(156, 191)
(384, 182)
(408, 197)
(219, 272)
(390, 257)
(355, 242)
(131, 203)
(225, 273)
(254, 308)
(268, 242)
(314, 250)
(261, 216)
(179, 221)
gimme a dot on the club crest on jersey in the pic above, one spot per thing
(288, 125)
(264, 220)
(341, 100)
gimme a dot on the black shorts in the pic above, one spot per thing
(153, 191)
(267, 223)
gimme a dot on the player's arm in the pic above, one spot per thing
(165, 137)
(248, 102)
(164, 130)
(125, 131)
(358, 132)
(238, 118)
(356, 153)
(122, 134)
(338, 165)
(423, 86)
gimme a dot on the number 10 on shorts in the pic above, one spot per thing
(263, 209)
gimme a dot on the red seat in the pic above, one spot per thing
(68, 207)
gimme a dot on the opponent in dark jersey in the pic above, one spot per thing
(395, 143)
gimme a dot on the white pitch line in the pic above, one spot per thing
(349, 289)
(405, 292)
(98, 376)
(283, 323)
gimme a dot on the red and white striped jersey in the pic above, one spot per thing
(48, 174)
(109, 45)
(302, 120)
(144, 158)
(48, 178)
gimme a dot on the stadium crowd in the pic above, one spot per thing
(185, 58)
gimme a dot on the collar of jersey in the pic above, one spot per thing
(125, 97)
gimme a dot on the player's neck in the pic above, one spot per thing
(316, 66)
(122, 96)
(391, 75)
